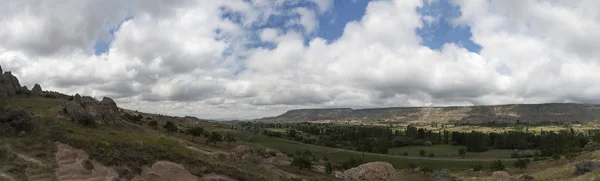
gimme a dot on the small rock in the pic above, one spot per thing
(525, 177)
(502, 175)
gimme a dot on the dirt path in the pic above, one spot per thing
(5, 176)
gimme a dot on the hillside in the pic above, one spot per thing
(531, 113)
(46, 135)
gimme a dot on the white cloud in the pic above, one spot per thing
(190, 58)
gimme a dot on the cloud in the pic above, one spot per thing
(205, 58)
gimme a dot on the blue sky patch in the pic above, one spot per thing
(102, 45)
(440, 31)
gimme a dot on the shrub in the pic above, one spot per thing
(585, 167)
(405, 154)
(443, 174)
(477, 167)
(431, 155)
(521, 163)
(597, 178)
(556, 157)
(15, 120)
(421, 152)
(497, 166)
(412, 166)
(328, 168)
(426, 170)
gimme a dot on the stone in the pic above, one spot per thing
(371, 171)
(37, 88)
(525, 177)
(501, 175)
(76, 112)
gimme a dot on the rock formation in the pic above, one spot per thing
(74, 164)
(500, 175)
(37, 88)
(9, 84)
(165, 171)
(80, 109)
(371, 171)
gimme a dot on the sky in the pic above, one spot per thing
(244, 59)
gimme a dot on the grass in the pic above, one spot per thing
(448, 150)
(117, 146)
(334, 155)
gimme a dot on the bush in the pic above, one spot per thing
(412, 166)
(497, 166)
(405, 154)
(14, 120)
(431, 155)
(556, 157)
(421, 152)
(443, 174)
(585, 167)
(597, 178)
(426, 170)
(477, 167)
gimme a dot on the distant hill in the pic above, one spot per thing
(530, 113)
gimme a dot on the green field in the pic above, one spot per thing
(449, 151)
(336, 155)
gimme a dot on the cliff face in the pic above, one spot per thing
(532, 113)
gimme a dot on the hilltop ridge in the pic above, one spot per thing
(509, 113)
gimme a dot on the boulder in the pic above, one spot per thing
(371, 171)
(501, 175)
(37, 88)
(76, 112)
(525, 177)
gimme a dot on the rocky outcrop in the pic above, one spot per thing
(74, 164)
(9, 84)
(165, 171)
(37, 88)
(241, 150)
(371, 171)
(81, 109)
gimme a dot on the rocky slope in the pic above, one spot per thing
(532, 113)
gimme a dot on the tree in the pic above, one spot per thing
(302, 161)
(497, 165)
(477, 167)
(431, 155)
(229, 138)
(521, 163)
(462, 152)
(214, 138)
(195, 132)
(328, 168)
(421, 152)
(153, 124)
(556, 157)
(170, 127)
(571, 156)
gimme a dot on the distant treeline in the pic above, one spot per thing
(378, 139)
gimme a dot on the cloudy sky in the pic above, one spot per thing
(253, 58)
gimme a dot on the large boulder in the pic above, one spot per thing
(372, 171)
(77, 112)
(500, 175)
(37, 88)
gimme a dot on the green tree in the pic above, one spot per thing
(571, 156)
(229, 138)
(170, 127)
(431, 155)
(556, 157)
(214, 138)
(302, 161)
(462, 152)
(497, 165)
(153, 124)
(195, 132)
(328, 168)
(521, 163)
(477, 167)
(422, 152)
